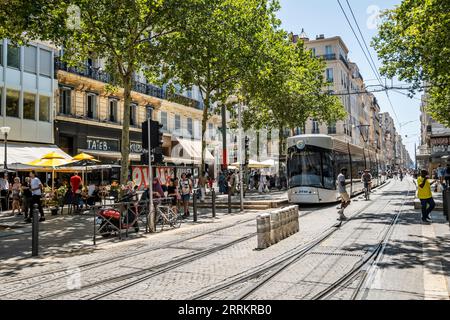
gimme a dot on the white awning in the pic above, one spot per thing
(111, 154)
(18, 153)
(193, 148)
(181, 160)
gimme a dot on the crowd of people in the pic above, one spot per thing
(256, 180)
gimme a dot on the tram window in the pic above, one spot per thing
(342, 160)
(328, 171)
(304, 169)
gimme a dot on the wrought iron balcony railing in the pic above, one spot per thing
(144, 88)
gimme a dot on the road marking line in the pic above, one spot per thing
(435, 283)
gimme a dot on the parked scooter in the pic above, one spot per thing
(123, 217)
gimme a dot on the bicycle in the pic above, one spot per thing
(166, 216)
(367, 192)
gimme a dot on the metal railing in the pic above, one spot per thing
(329, 56)
(144, 88)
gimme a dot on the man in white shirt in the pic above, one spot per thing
(36, 193)
(4, 189)
(345, 198)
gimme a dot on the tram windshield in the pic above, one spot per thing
(311, 167)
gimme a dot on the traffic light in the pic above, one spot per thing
(156, 134)
(144, 159)
(145, 134)
(156, 140)
(246, 148)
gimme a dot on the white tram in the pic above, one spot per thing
(314, 162)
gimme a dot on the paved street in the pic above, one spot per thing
(216, 258)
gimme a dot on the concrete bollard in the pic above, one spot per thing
(283, 224)
(274, 227)
(263, 231)
(291, 222)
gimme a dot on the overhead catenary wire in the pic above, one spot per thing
(365, 54)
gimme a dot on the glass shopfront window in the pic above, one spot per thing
(44, 108)
(12, 103)
(29, 106)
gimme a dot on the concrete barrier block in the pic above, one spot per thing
(263, 231)
(274, 227)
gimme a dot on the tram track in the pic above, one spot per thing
(365, 268)
(275, 266)
(147, 273)
(101, 263)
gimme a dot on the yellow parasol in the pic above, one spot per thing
(50, 160)
(84, 159)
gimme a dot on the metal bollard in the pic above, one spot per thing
(296, 222)
(275, 227)
(213, 196)
(229, 200)
(446, 200)
(35, 232)
(445, 204)
(263, 231)
(95, 226)
(194, 205)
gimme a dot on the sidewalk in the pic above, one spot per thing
(62, 235)
(416, 262)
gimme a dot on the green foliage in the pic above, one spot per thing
(413, 44)
(289, 88)
(127, 34)
(217, 48)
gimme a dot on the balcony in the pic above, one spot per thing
(330, 56)
(341, 57)
(144, 88)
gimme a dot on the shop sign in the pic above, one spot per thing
(440, 146)
(135, 147)
(101, 144)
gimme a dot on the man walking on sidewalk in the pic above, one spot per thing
(425, 195)
(36, 193)
(345, 198)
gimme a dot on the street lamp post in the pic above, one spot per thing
(5, 131)
(234, 99)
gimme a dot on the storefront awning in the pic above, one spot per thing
(111, 155)
(193, 150)
(20, 153)
(181, 161)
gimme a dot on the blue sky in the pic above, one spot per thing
(325, 17)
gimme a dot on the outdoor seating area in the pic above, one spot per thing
(57, 195)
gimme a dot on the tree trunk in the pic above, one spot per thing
(257, 146)
(204, 123)
(281, 151)
(125, 144)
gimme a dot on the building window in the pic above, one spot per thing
(91, 111)
(1, 52)
(330, 77)
(13, 57)
(315, 126)
(212, 134)
(133, 119)
(189, 126)
(313, 52)
(328, 50)
(1, 99)
(65, 95)
(30, 54)
(164, 120)
(44, 108)
(12, 103)
(29, 106)
(112, 112)
(332, 128)
(45, 63)
(177, 122)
